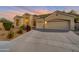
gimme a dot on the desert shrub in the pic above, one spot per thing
(7, 25)
(21, 27)
(10, 35)
(20, 31)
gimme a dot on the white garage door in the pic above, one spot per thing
(63, 25)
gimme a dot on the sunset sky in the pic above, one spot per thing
(10, 11)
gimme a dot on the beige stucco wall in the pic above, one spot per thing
(39, 23)
(1, 26)
(31, 20)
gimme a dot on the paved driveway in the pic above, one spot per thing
(36, 41)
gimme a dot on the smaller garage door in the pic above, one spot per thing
(58, 25)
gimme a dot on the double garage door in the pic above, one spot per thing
(56, 25)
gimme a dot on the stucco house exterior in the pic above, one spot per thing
(57, 20)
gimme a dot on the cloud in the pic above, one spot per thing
(10, 12)
(18, 11)
(9, 15)
(42, 11)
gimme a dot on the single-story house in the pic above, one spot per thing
(57, 20)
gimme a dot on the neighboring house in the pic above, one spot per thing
(57, 20)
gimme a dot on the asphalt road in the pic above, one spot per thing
(37, 41)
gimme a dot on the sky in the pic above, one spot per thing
(10, 11)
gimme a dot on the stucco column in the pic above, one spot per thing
(72, 24)
(31, 18)
(21, 21)
(14, 23)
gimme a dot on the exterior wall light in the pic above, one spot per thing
(45, 22)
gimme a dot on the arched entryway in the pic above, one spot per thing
(26, 21)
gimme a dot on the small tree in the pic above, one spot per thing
(10, 35)
(22, 27)
(6, 23)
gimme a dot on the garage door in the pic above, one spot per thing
(58, 25)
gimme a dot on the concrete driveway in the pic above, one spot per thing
(36, 41)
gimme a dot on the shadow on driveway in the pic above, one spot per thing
(51, 30)
(76, 32)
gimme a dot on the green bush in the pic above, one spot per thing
(7, 25)
(10, 35)
(21, 27)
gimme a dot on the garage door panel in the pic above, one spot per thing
(64, 25)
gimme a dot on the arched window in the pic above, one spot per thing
(17, 22)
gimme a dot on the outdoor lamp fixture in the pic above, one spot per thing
(45, 22)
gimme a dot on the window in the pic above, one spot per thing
(17, 22)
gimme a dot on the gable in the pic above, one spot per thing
(55, 15)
